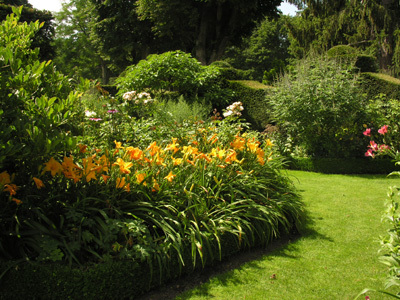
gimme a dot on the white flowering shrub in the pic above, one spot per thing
(138, 104)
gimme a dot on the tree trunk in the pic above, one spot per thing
(201, 41)
(223, 38)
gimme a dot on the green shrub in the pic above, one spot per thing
(319, 108)
(252, 94)
(173, 74)
(227, 71)
(39, 110)
(342, 52)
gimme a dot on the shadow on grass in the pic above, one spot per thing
(222, 272)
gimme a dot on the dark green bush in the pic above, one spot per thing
(252, 94)
(343, 166)
(366, 63)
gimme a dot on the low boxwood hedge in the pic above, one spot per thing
(114, 279)
(343, 166)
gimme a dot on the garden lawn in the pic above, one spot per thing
(336, 256)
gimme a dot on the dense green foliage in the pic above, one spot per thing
(37, 103)
(319, 108)
(173, 74)
(43, 37)
(77, 51)
(370, 26)
(375, 84)
(264, 54)
(252, 94)
(85, 180)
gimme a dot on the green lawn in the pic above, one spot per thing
(335, 258)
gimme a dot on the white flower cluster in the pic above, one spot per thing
(90, 114)
(137, 97)
(234, 109)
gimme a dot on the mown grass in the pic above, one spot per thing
(336, 256)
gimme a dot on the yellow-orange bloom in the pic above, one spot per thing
(11, 188)
(231, 157)
(170, 176)
(176, 161)
(17, 201)
(120, 183)
(105, 178)
(153, 148)
(156, 186)
(134, 153)
(5, 178)
(238, 143)
(39, 183)
(253, 145)
(82, 148)
(140, 177)
(118, 145)
(173, 146)
(53, 167)
(268, 143)
(218, 153)
(123, 166)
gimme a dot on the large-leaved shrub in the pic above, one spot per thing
(37, 103)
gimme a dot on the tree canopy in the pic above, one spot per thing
(372, 26)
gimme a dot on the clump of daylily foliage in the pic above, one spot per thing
(140, 203)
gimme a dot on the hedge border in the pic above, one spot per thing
(343, 166)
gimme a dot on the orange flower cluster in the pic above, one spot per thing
(156, 163)
(6, 185)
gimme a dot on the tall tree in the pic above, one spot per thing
(370, 25)
(123, 38)
(206, 27)
(265, 52)
(77, 52)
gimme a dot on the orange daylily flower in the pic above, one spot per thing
(39, 183)
(105, 178)
(11, 188)
(82, 148)
(53, 167)
(17, 201)
(153, 148)
(134, 153)
(123, 166)
(140, 177)
(170, 176)
(5, 178)
(173, 146)
(120, 183)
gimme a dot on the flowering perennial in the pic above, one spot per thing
(157, 165)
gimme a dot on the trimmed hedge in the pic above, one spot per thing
(374, 84)
(343, 166)
(107, 280)
(252, 94)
